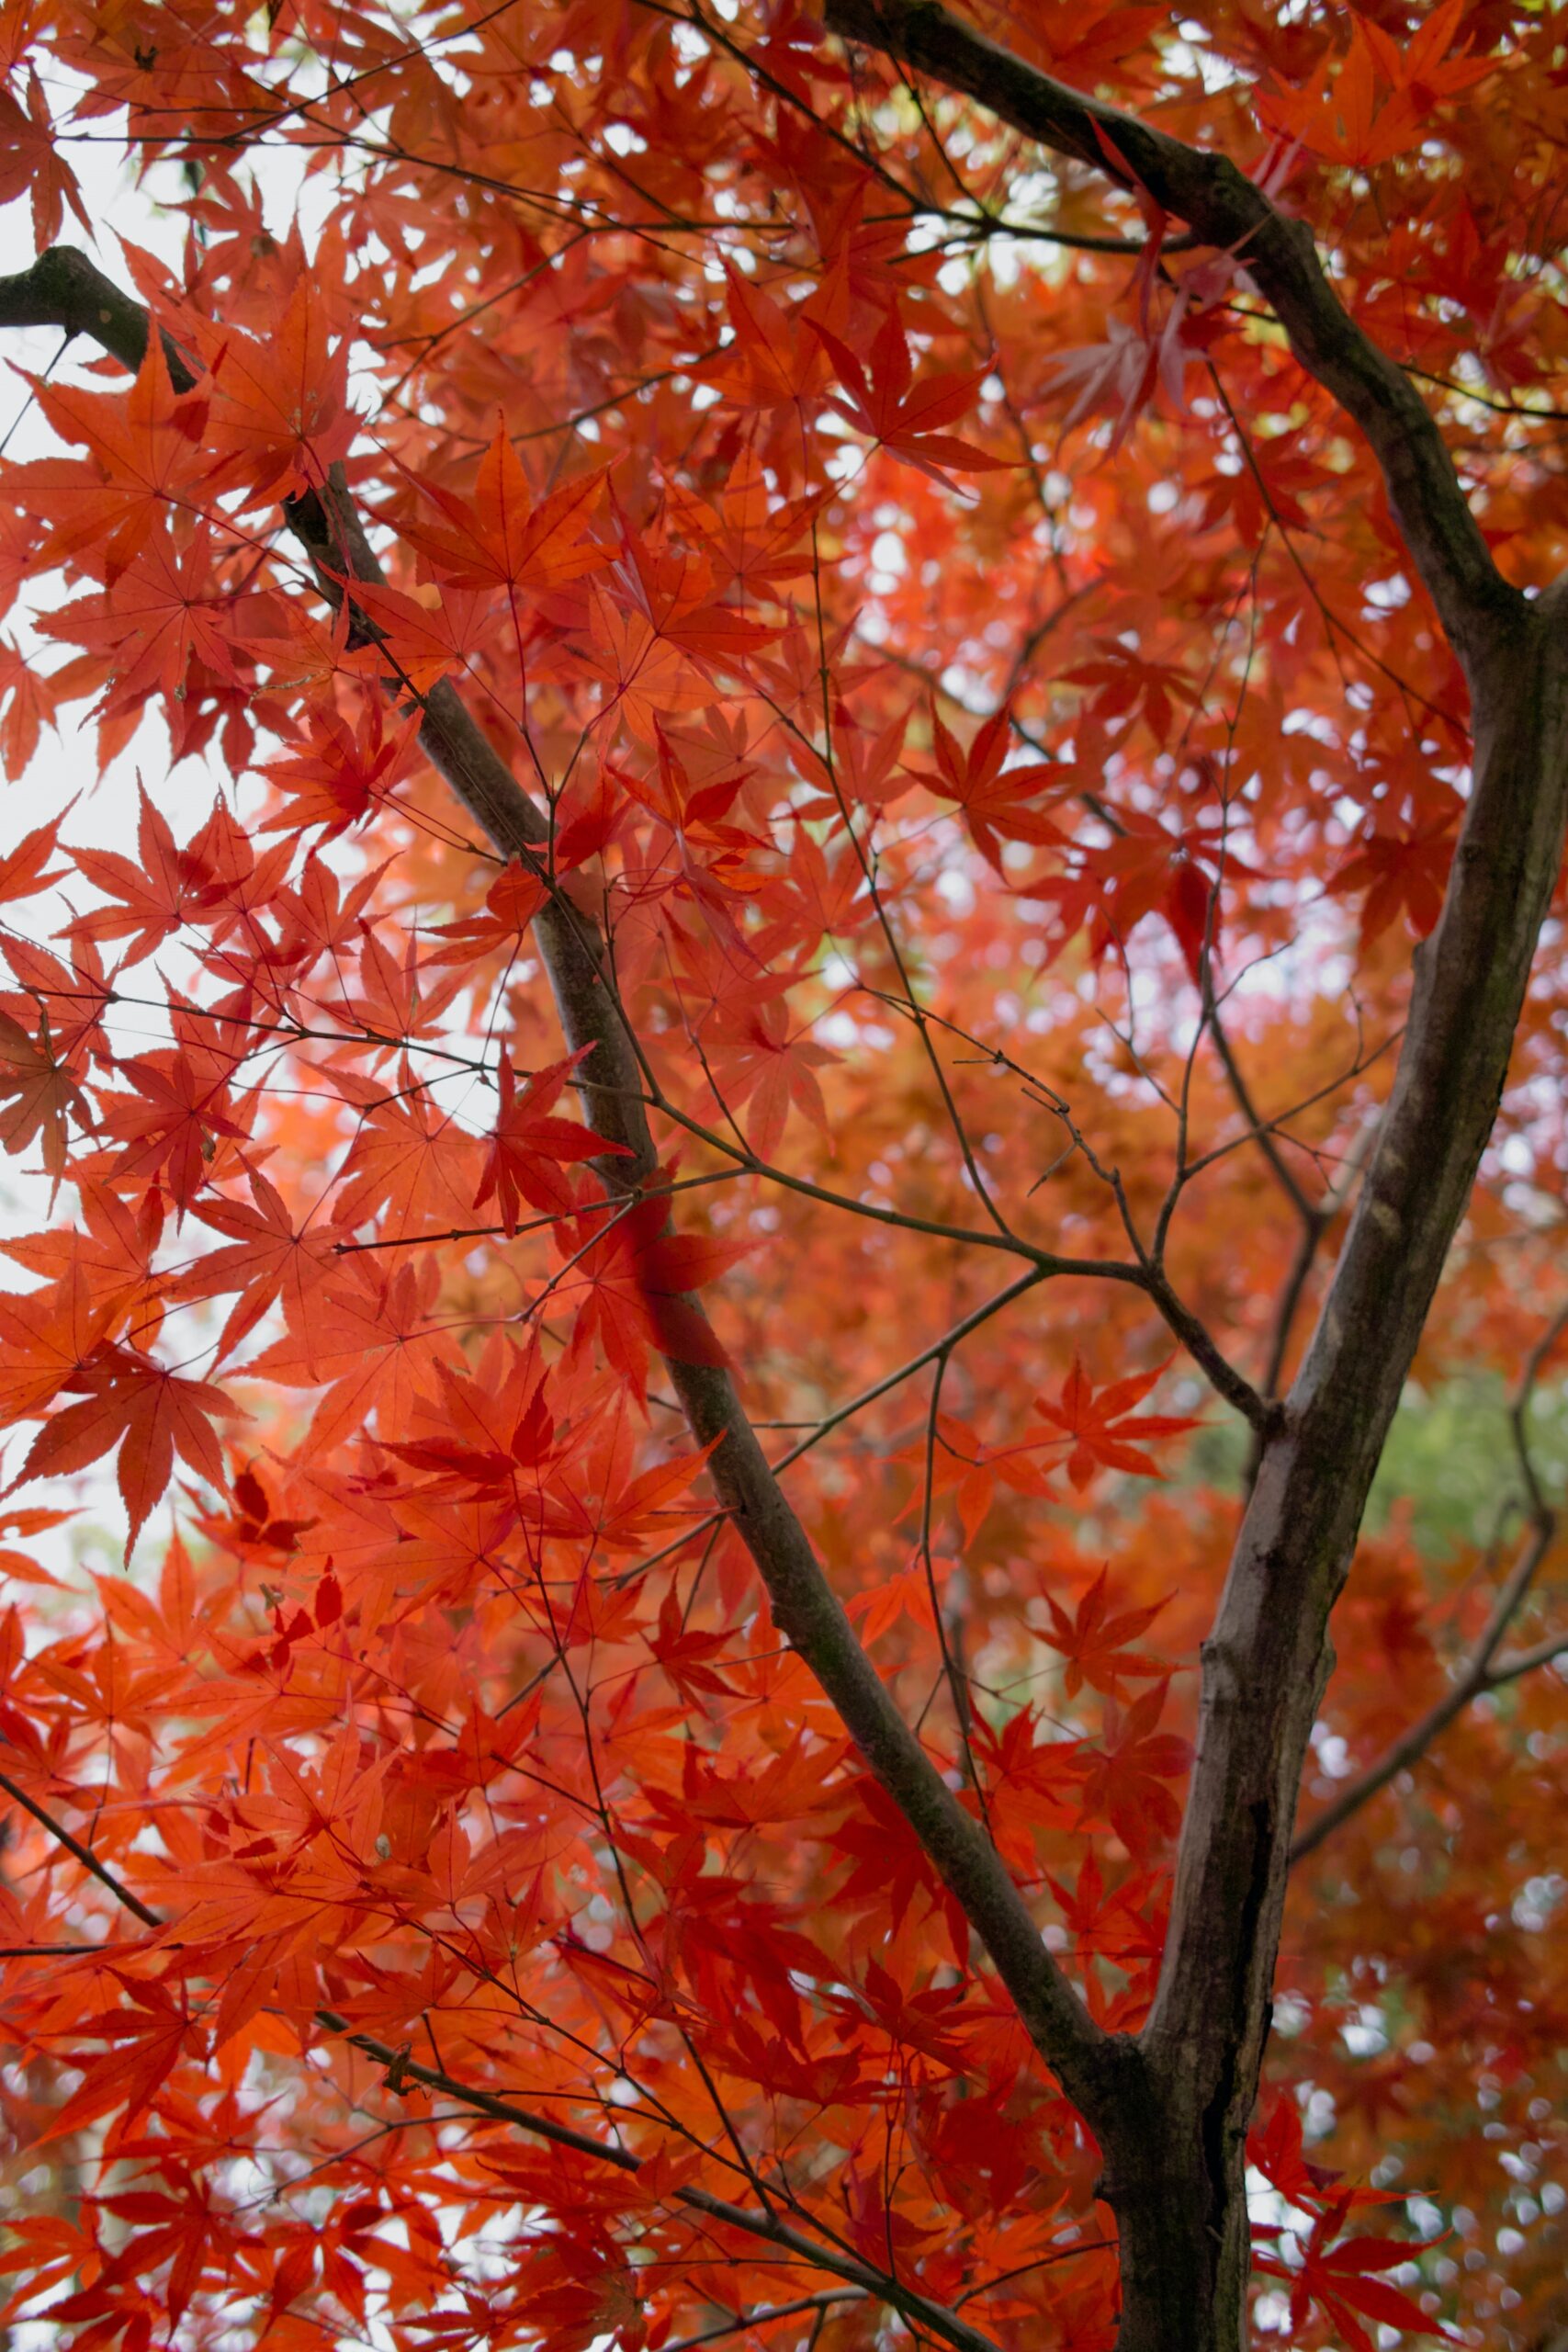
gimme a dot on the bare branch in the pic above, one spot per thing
(1479, 1673)
(1263, 1131)
(1520, 1662)
(749, 2320)
(84, 1854)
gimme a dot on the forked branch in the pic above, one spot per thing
(1226, 209)
(65, 289)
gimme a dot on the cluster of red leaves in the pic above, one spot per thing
(437, 1761)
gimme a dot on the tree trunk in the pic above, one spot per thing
(1177, 2189)
(1175, 2178)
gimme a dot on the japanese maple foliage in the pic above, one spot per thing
(682, 1221)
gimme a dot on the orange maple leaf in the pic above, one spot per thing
(1337, 115)
(501, 537)
(280, 417)
(146, 453)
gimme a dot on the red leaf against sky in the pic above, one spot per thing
(280, 415)
(164, 611)
(146, 448)
(268, 1262)
(30, 161)
(172, 1133)
(150, 1412)
(774, 359)
(40, 1095)
(1339, 2275)
(1338, 114)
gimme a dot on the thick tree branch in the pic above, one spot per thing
(1175, 2174)
(65, 288)
(1224, 208)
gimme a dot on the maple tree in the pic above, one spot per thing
(879, 953)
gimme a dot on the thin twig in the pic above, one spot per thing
(1478, 1673)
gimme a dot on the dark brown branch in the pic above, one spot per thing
(1262, 1130)
(84, 1854)
(1224, 208)
(65, 288)
(764, 2318)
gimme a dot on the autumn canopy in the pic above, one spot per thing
(834, 759)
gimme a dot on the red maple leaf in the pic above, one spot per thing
(150, 1412)
(990, 795)
(340, 771)
(1125, 1782)
(172, 1130)
(501, 537)
(883, 400)
(30, 163)
(146, 450)
(163, 610)
(1339, 2275)
(1402, 872)
(280, 417)
(42, 1093)
(774, 359)
(638, 1279)
(1099, 1425)
(1095, 1645)
(530, 1142)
